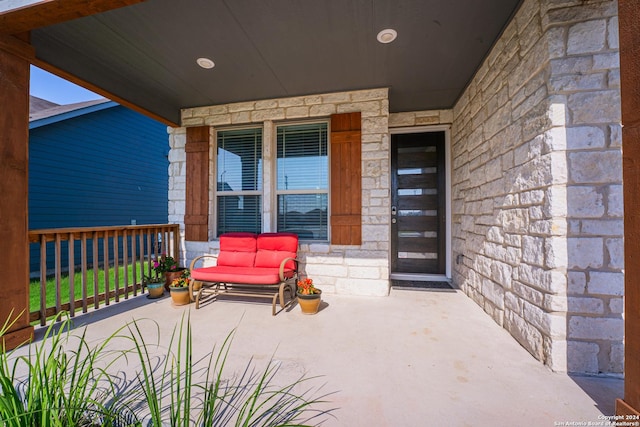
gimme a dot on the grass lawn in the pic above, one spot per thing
(34, 287)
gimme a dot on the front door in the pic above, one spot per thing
(418, 217)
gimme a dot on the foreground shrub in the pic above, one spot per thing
(64, 381)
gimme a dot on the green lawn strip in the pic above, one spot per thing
(34, 286)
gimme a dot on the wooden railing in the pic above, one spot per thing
(75, 251)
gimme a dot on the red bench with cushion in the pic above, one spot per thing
(258, 265)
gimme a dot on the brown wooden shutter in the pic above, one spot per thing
(196, 215)
(346, 179)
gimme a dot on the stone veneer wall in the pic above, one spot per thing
(361, 270)
(537, 196)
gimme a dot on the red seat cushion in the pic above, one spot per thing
(237, 250)
(274, 247)
(250, 276)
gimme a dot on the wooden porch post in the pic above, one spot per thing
(14, 137)
(629, 25)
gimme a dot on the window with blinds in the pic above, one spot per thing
(239, 180)
(302, 171)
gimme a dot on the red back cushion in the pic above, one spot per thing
(274, 247)
(237, 250)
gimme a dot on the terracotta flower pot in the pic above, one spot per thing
(180, 296)
(309, 304)
(155, 290)
(170, 276)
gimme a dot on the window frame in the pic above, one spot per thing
(269, 179)
(261, 179)
(274, 184)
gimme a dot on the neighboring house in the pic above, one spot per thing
(94, 163)
(514, 194)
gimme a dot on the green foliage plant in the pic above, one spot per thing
(64, 381)
(58, 383)
(198, 393)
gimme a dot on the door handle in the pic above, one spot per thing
(394, 211)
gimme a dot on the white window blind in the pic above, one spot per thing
(303, 180)
(239, 180)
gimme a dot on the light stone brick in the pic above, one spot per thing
(571, 83)
(616, 358)
(615, 135)
(605, 283)
(513, 303)
(264, 115)
(584, 202)
(587, 37)
(501, 273)
(493, 292)
(616, 305)
(533, 250)
(241, 106)
(615, 206)
(583, 137)
(527, 293)
(555, 303)
(533, 197)
(527, 335)
(603, 227)
(217, 120)
(446, 116)
(595, 107)
(401, 119)
(368, 272)
(612, 33)
(596, 167)
(556, 252)
(577, 283)
(582, 357)
(615, 250)
(322, 110)
(334, 98)
(194, 121)
(241, 117)
(596, 328)
(296, 112)
(571, 65)
(286, 103)
(606, 61)
(312, 100)
(585, 305)
(585, 252)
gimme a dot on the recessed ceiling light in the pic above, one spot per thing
(387, 35)
(205, 63)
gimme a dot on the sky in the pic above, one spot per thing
(52, 88)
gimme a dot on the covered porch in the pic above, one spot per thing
(413, 358)
(535, 217)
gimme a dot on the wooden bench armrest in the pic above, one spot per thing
(198, 258)
(283, 263)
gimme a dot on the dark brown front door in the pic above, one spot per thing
(418, 202)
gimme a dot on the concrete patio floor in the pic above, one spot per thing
(415, 358)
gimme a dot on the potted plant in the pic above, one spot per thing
(179, 289)
(154, 285)
(309, 297)
(168, 268)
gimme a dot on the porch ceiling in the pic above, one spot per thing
(146, 53)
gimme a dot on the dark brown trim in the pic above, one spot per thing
(17, 47)
(93, 88)
(346, 179)
(196, 218)
(44, 13)
(629, 25)
(14, 187)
